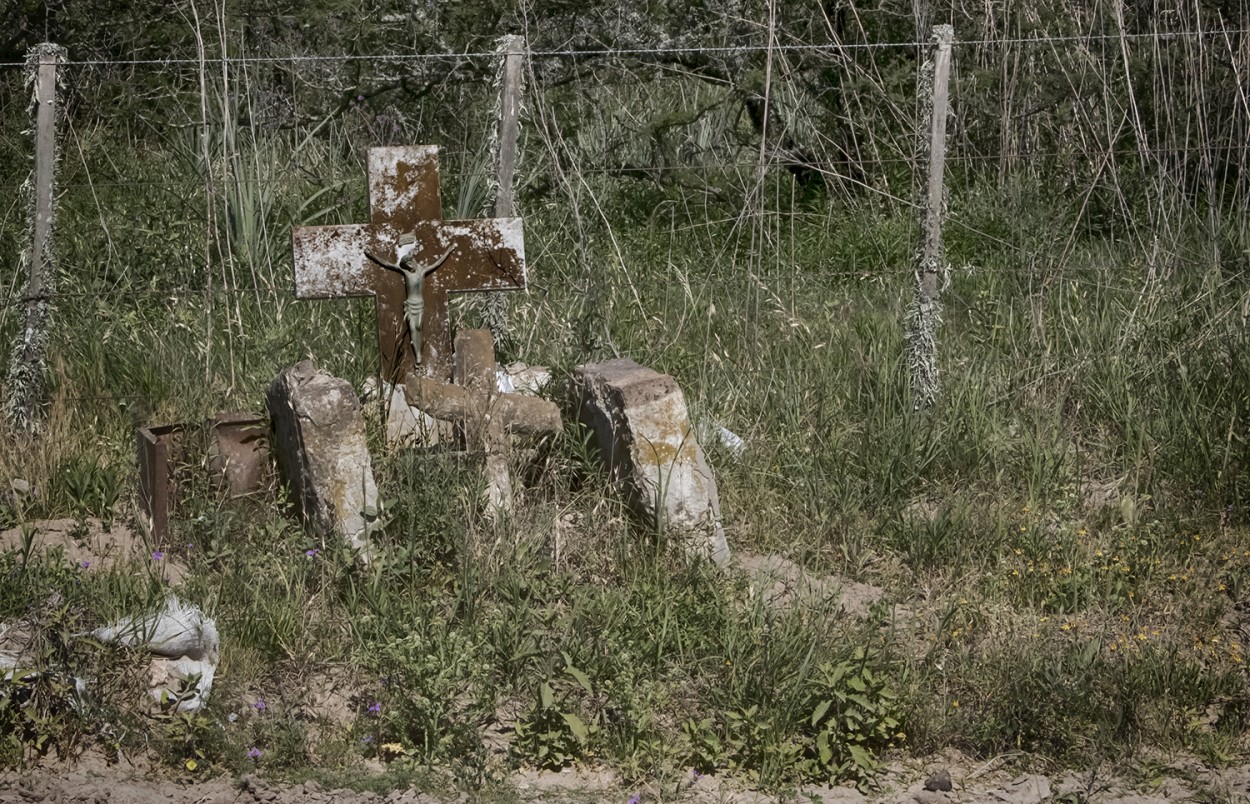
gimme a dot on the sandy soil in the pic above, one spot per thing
(92, 547)
(998, 781)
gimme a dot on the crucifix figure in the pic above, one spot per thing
(414, 289)
(404, 200)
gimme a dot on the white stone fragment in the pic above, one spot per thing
(731, 441)
(185, 643)
(524, 379)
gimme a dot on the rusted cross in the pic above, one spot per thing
(488, 417)
(404, 198)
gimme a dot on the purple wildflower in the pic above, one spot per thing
(260, 705)
(312, 552)
(85, 564)
(375, 708)
(157, 555)
(253, 753)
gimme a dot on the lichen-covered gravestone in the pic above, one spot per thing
(319, 443)
(642, 428)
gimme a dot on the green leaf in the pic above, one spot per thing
(582, 679)
(862, 700)
(546, 695)
(818, 713)
(861, 757)
(576, 726)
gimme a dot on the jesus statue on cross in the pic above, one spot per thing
(414, 286)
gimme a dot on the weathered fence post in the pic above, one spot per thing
(27, 363)
(925, 316)
(504, 152)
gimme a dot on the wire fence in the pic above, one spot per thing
(609, 53)
(1143, 156)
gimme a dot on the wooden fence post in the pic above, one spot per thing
(27, 364)
(511, 50)
(925, 316)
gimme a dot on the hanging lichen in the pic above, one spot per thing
(924, 319)
(924, 316)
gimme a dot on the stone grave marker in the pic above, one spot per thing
(642, 429)
(319, 443)
(409, 260)
(487, 416)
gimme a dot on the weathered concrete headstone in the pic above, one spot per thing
(487, 416)
(642, 429)
(319, 442)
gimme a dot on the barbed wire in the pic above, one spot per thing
(1149, 363)
(644, 51)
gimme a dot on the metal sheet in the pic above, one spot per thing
(158, 453)
(405, 198)
(239, 451)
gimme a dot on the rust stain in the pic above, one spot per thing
(405, 196)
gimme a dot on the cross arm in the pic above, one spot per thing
(516, 413)
(330, 261)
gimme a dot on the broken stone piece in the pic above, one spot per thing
(642, 429)
(939, 782)
(521, 378)
(319, 442)
(185, 645)
(406, 425)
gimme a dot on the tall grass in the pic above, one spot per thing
(1064, 530)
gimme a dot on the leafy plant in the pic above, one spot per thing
(191, 734)
(434, 699)
(37, 713)
(92, 488)
(854, 714)
(41, 701)
(551, 734)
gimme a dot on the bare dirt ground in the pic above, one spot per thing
(91, 545)
(997, 781)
